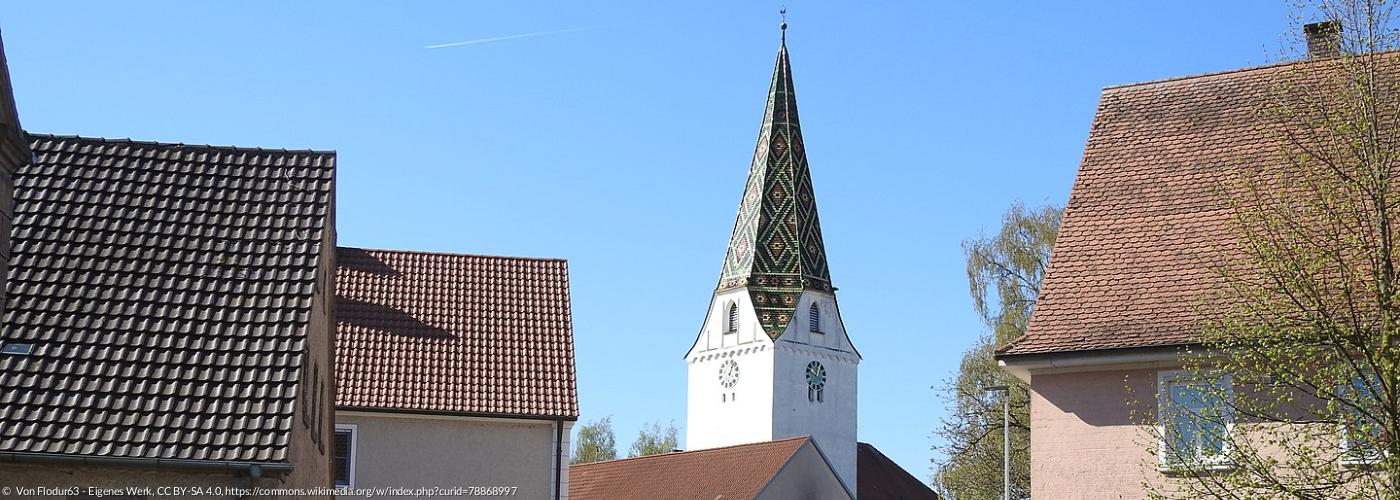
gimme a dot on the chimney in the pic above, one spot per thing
(1324, 39)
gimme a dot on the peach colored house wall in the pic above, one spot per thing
(1085, 444)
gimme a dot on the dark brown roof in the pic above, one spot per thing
(879, 478)
(732, 473)
(434, 332)
(164, 290)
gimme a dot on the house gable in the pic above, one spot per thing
(163, 303)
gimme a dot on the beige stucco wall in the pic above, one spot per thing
(310, 459)
(1085, 443)
(805, 477)
(412, 451)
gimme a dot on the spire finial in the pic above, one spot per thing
(782, 11)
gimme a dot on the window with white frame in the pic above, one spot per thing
(814, 318)
(1194, 418)
(1358, 406)
(343, 463)
(731, 323)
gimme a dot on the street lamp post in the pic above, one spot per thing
(1005, 437)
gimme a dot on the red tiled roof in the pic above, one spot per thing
(733, 472)
(452, 333)
(879, 478)
(1145, 223)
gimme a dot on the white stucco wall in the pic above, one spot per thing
(716, 416)
(832, 421)
(770, 400)
(412, 451)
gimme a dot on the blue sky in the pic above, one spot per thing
(621, 140)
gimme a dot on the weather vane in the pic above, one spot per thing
(782, 11)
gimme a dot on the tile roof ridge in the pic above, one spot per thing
(452, 254)
(1246, 69)
(128, 140)
(706, 450)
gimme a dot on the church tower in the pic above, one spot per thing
(772, 360)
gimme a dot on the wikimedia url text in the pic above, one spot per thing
(223, 491)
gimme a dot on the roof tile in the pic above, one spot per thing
(879, 478)
(454, 333)
(1145, 225)
(732, 472)
(133, 266)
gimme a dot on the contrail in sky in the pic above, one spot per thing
(484, 40)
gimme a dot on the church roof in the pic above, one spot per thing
(733, 472)
(879, 478)
(776, 249)
(450, 333)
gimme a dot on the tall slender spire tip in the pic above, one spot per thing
(782, 11)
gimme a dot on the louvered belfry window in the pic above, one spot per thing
(814, 315)
(733, 323)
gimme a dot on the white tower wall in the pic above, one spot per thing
(716, 416)
(771, 399)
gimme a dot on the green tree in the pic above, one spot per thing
(1302, 344)
(595, 442)
(1004, 274)
(654, 440)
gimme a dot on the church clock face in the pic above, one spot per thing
(816, 376)
(729, 374)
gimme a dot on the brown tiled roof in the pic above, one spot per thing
(879, 478)
(433, 332)
(1145, 223)
(734, 472)
(162, 294)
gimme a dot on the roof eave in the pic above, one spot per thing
(440, 413)
(274, 468)
(1025, 365)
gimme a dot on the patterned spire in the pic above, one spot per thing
(777, 250)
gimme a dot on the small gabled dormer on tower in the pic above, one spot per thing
(772, 360)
